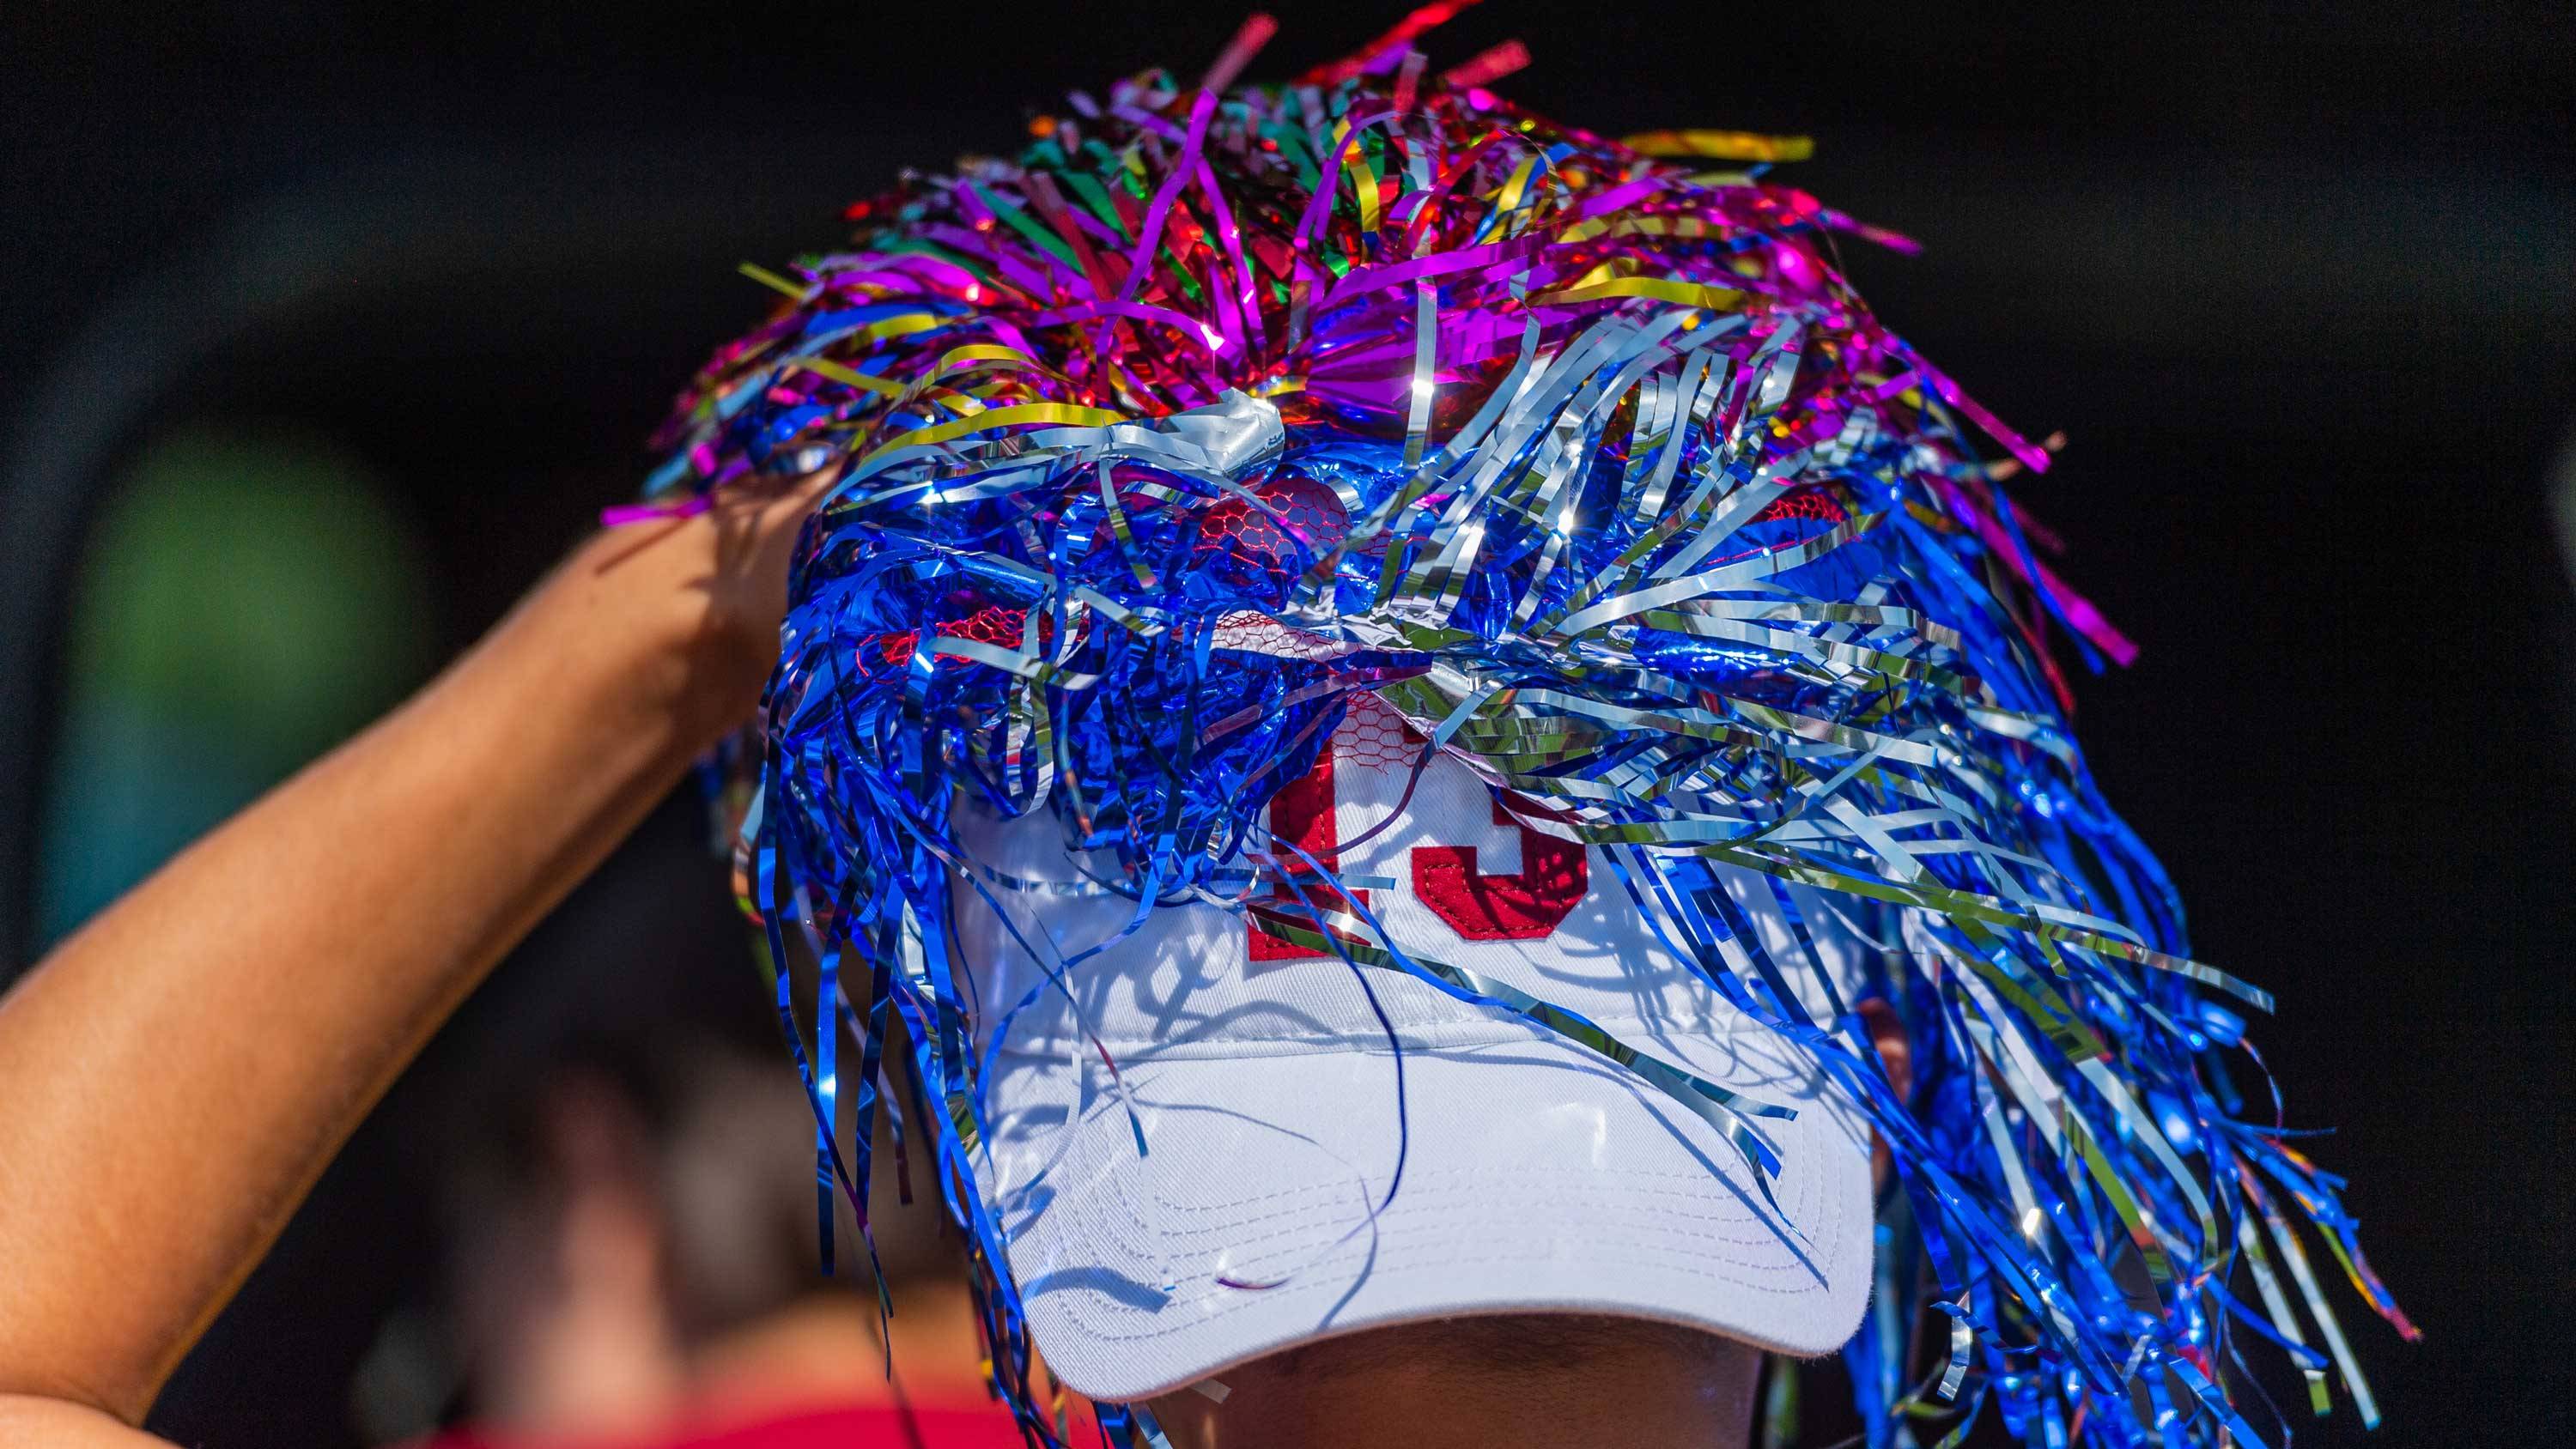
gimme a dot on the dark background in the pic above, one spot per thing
(2295, 281)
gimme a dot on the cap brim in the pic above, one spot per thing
(1537, 1177)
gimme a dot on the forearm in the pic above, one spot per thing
(174, 1078)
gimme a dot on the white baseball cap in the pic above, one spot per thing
(1537, 1176)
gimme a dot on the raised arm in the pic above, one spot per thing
(174, 1077)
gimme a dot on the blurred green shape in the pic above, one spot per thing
(247, 600)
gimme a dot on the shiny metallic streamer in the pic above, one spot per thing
(1151, 447)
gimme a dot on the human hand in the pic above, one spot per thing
(709, 590)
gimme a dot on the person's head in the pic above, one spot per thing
(1210, 1138)
(1532, 1381)
(1378, 683)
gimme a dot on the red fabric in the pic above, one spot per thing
(991, 624)
(1309, 518)
(872, 1426)
(1524, 907)
(1302, 813)
(1807, 501)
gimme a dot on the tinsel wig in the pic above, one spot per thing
(1584, 458)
